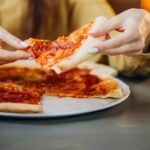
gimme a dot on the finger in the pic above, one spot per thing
(12, 40)
(12, 56)
(4, 62)
(122, 39)
(103, 27)
(134, 53)
(1, 43)
(128, 48)
(99, 27)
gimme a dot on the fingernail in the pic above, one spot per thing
(24, 44)
(30, 58)
(93, 31)
(93, 50)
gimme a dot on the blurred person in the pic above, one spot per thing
(44, 19)
(48, 19)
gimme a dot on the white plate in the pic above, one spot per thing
(62, 107)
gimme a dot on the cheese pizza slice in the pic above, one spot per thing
(18, 98)
(64, 53)
(82, 83)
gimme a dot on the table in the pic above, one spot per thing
(123, 127)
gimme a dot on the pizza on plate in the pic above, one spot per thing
(22, 88)
(65, 73)
(65, 52)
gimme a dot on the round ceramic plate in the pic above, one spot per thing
(61, 107)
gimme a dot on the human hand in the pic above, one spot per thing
(134, 28)
(10, 56)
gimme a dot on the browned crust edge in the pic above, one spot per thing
(20, 108)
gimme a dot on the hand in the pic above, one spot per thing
(134, 28)
(10, 56)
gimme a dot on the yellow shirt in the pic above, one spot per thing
(80, 12)
(73, 14)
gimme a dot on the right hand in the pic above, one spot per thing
(134, 37)
(10, 56)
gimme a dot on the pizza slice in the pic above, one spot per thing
(64, 53)
(19, 98)
(82, 83)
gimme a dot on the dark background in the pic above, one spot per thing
(121, 5)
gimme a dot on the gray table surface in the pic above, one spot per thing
(123, 127)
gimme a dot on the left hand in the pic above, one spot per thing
(7, 56)
(134, 28)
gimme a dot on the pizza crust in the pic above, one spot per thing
(116, 93)
(90, 65)
(20, 108)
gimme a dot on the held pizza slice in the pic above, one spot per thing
(64, 53)
(18, 98)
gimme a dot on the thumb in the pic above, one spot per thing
(6, 55)
(103, 27)
(12, 40)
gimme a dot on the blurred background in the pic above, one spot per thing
(121, 5)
